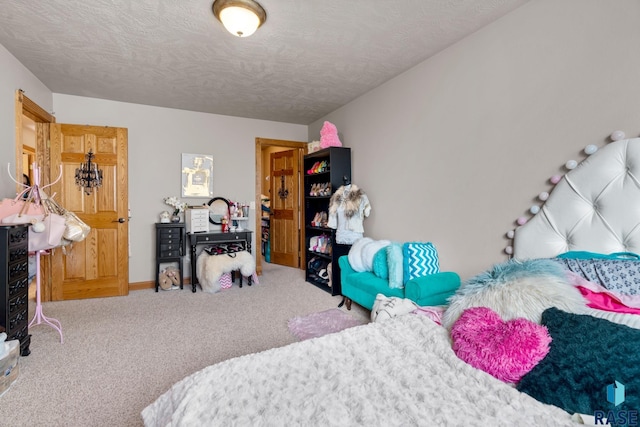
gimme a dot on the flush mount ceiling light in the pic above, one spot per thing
(240, 17)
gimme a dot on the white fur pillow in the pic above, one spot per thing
(369, 251)
(355, 254)
(362, 252)
(517, 289)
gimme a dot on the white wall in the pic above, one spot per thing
(157, 138)
(14, 76)
(455, 149)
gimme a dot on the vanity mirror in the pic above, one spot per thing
(218, 208)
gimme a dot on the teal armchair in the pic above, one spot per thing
(362, 287)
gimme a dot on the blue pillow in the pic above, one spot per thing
(380, 267)
(394, 262)
(420, 259)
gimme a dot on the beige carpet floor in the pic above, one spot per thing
(119, 354)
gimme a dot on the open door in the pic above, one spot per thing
(285, 208)
(99, 265)
(28, 111)
(264, 147)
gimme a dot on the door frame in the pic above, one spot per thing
(25, 106)
(302, 148)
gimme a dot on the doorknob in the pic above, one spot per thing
(120, 220)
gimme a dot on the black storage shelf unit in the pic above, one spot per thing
(170, 247)
(14, 292)
(337, 172)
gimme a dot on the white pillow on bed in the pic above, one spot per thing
(517, 289)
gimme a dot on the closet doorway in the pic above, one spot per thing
(32, 136)
(279, 179)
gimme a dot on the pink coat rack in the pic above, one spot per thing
(39, 317)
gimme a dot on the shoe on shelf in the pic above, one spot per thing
(313, 168)
(322, 244)
(314, 190)
(313, 243)
(315, 264)
(310, 263)
(324, 218)
(318, 167)
(315, 222)
(318, 247)
(327, 189)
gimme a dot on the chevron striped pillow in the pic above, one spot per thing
(419, 259)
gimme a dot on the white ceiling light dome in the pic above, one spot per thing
(240, 17)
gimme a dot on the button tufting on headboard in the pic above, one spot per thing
(596, 208)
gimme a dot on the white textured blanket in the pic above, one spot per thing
(398, 372)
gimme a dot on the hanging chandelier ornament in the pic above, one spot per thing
(88, 176)
(240, 17)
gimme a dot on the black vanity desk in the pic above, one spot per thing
(211, 239)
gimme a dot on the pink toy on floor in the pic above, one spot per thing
(329, 136)
(506, 350)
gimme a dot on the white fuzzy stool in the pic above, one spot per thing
(209, 268)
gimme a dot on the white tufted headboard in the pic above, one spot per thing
(595, 207)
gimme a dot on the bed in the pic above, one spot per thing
(404, 371)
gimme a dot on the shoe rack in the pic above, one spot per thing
(325, 171)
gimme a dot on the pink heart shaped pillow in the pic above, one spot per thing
(506, 350)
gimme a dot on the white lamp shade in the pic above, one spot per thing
(239, 21)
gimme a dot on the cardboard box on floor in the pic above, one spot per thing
(9, 368)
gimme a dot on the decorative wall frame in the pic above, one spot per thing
(197, 175)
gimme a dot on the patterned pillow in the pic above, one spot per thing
(394, 262)
(618, 275)
(419, 259)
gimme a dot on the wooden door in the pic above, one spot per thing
(99, 265)
(285, 208)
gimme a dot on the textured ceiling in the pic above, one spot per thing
(308, 59)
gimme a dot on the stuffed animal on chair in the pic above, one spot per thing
(329, 136)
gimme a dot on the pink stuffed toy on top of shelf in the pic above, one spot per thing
(329, 136)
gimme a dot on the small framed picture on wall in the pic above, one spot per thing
(197, 175)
